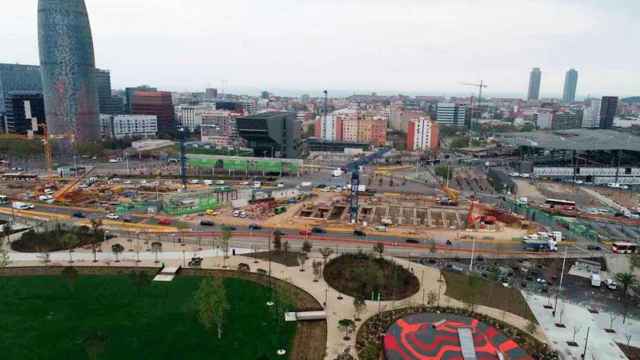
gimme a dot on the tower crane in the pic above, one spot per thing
(480, 87)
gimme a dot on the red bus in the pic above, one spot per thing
(624, 248)
(563, 204)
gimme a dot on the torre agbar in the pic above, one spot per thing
(68, 70)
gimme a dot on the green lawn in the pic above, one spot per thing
(41, 317)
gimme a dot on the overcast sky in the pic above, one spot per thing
(411, 46)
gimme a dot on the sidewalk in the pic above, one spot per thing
(601, 344)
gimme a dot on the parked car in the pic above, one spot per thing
(305, 232)
(359, 233)
(164, 222)
(412, 241)
(112, 216)
(229, 228)
(611, 285)
(255, 227)
(594, 248)
(207, 223)
(318, 230)
(79, 215)
(127, 219)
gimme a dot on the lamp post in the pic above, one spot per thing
(473, 250)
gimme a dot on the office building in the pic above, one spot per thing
(211, 94)
(158, 103)
(14, 77)
(128, 126)
(544, 120)
(535, 79)
(591, 117)
(68, 70)
(25, 114)
(271, 134)
(451, 114)
(564, 120)
(570, 86)
(107, 103)
(190, 116)
(608, 111)
(423, 134)
(219, 128)
(130, 92)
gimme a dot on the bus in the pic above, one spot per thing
(624, 248)
(564, 204)
(4, 199)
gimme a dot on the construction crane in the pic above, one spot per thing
(480, 86)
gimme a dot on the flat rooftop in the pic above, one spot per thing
(574, 139)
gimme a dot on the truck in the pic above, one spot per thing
(595, 280)
(540, 245)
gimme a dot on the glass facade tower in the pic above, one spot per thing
(68, 70)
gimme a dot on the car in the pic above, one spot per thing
(318, 230)
(305, 232)
(359, 233)
(79, 215)
(45, 197)
(321, 186)
(412, 241)
(195, 181)
(279, 232)
(112, 216)
(255, 227)
(229, 228)
(211, 212)
(220, 182)
(244, 183)
(611, 285)
(280, 185)
(449, 243)
(236, 213)
(164, 222)
(207, 223)
(127, 219)
(594, 248)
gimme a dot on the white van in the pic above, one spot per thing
(22, 205)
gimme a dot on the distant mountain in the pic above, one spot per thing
(632, 100)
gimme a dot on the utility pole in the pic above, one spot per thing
(564, 262)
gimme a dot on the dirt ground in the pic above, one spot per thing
(627, 199)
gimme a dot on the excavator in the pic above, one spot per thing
(452, 196)
(472, 220)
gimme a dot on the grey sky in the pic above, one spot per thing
(419, 46)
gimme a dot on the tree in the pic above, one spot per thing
(317, 270)
(156, 247)
(444, 171)
(117, 249)
(306, 246)
(326, 252)
(359, 305)
(379, 248)
(277, 241)
(226, 237)
(627, 280)
(69, 241)
(70, 275)
(212, 303)
(347, 326)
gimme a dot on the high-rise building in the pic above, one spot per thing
(128, 96)
(570, 85)
(24, 113)
(423, 134)
(190, 116)
(544, 120)
(564, 120)
(271, 134)
(451, 114)
(158, 103)
(608, 110)
(14, 77)
(68, 70)
(535, 78)
(591, 117)
(219, 128)
(107, 103)
(211, 93)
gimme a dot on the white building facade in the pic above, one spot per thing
(591, 115)
(190, 116)
(451, 114)
(132, 126)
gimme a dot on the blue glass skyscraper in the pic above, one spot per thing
(68, 70)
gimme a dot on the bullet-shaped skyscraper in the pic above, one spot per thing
(570, 85)
(534, 84)
(68, 70)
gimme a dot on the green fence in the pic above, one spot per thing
(200, 205)
(263, 166)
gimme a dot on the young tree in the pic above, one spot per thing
(306, 247)
(277, 241)
(317, 270)
(226, 237)
(212, 303)
(156, 247)
(627, 280)
(326, 252)
(359, 305)
(69, 241)
(379, 249)
(117, 249)
(347, 326)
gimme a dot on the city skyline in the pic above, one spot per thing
(292, 46)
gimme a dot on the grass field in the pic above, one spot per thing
(488, 293)
(109, 317)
